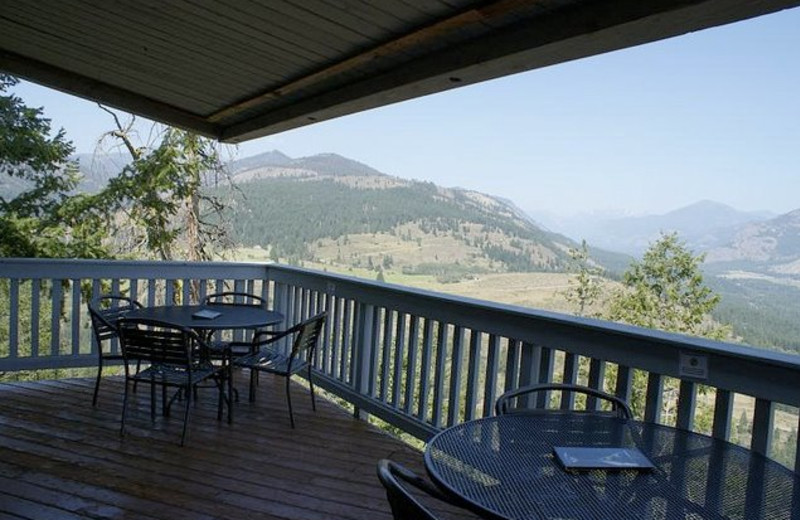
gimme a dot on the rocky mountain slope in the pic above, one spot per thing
(774, 244)
(332, 209)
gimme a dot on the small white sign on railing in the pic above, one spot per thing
(693, 366)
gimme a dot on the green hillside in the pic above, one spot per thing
(295, 218)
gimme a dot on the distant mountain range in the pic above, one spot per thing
(704, 225)
(772, 244)
(509, 238)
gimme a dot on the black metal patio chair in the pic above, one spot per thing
(267, 355)
(398, 482)
(104, 312)
(226, 350)
(510, 402)
(175, 359)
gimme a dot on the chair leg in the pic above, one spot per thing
(186, 413)
(164, 405)
(153, 400)
(311, 384)
(289, 400)
(136, 382)
(231, 390)
(253, 380)
(124, 410)
(97, 383)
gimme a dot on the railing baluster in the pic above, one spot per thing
(372, 339)
(388, 327)
(344, 362)
(75, 321)
(654, 400)
(570, 377)
(186, 292)
(411, 366)
(492, 367)
(687, 401)
(473, 373)
(762, 427)
(56, 301)
(597, 377)
(529, 373)
(338, 334)
(362, 351)
(169, 291)
(13, 320)
(35, 292)
(624, 383)
(399, 356)
(797, 461)
(456, 364)
(151, 292)
(439, 376)
(723, 412)
(512, 364)
(425, 371)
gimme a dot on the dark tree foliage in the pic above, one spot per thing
(44, 219)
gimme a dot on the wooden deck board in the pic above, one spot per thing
(62, 458)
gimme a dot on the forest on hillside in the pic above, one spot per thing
(289, 215)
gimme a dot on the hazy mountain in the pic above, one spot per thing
(774, 243)
(703, 225)
(275, 163)
(96, 170)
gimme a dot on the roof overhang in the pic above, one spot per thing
(236, 71)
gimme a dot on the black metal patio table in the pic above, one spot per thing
(504, 468)
(231, 317)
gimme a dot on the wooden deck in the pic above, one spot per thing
(60, 458)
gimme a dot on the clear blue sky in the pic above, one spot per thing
(711, 115)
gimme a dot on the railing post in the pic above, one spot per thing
(762, 427)
(723, 411)
(362, 352)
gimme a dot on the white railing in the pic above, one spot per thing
(422, 360)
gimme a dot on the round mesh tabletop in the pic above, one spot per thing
(504, 467)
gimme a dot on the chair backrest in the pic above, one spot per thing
(105, 311)
(405, 506)
(307, 336)
(503, 405)
(234, 298)
(157, 342)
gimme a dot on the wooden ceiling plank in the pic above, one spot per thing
(191, 44)
(177, 72)
(323, 23)
(294, 30)
(243, 44)
(240, 21)
(77, 84)
(400, 45)
(368, 13)
(50, 49)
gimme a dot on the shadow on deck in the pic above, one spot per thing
(62, 458)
